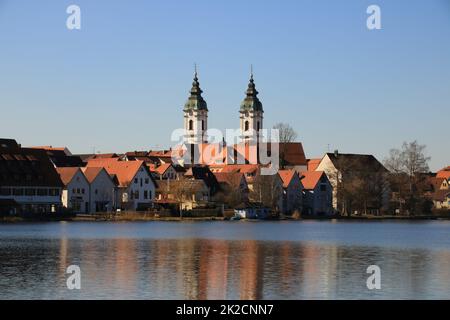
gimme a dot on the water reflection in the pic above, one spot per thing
(216, 269)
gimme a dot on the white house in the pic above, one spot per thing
(102, 189)
(136, 187)
(75, 195)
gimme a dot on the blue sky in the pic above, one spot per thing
(120, 82)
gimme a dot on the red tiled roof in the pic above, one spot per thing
(124, 170)
(67, 174)
(230, 178)
(242, 168)
(313, 164)
(163, 168)
(444, 173)
(49, 148)
(310, 179)
(91, 173)
(286, 176)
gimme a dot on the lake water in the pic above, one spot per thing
(225, 260)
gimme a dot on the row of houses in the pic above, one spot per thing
(48, 179)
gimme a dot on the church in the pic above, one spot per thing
(196, 114)
(249, 146)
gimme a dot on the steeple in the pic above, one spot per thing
(251, 101)
(251, 112)
(195, 100)
(195, 114)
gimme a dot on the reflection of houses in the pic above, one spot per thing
(292, 190)
(317, 195)
(102, 193)
(28, 180)
(136, 188)
(75, 195)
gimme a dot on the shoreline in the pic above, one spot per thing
(148, 218)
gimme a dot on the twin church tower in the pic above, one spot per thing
(196, 114)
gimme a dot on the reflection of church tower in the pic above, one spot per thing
(251, 119)
(195, 115)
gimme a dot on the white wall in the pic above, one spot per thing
(73, 192)
(140, 186)
(102, 189)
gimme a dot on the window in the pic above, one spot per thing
(78, 190)
(150, 194)
(323, 187)
(136, 194)
(82, 191)
(131, 194)
(145, 194)
(74, 190)
(246, 126)
(96, 191)
(141, 182)
(146, 180)
(135, 180)
(191, 125)
(203, 125)
(257, 126)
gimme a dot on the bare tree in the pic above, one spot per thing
(408, 167)
(267, 190)
(232, 193)
(286, 135)
(182, 191)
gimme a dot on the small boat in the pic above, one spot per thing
(235, 218)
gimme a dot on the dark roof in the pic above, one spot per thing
(8, 143)
(356, 162)
(61, 159)
(26, 167)
(203, 173)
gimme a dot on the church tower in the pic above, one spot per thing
(195, 115)
(251, 113)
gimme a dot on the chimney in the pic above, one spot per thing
(336, 153)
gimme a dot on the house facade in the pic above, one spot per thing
(136, 187)
(75, 195)
(292, 191)
(317, 194)
(347, 172)
(102, 189)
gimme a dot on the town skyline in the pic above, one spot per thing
(344, 88)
